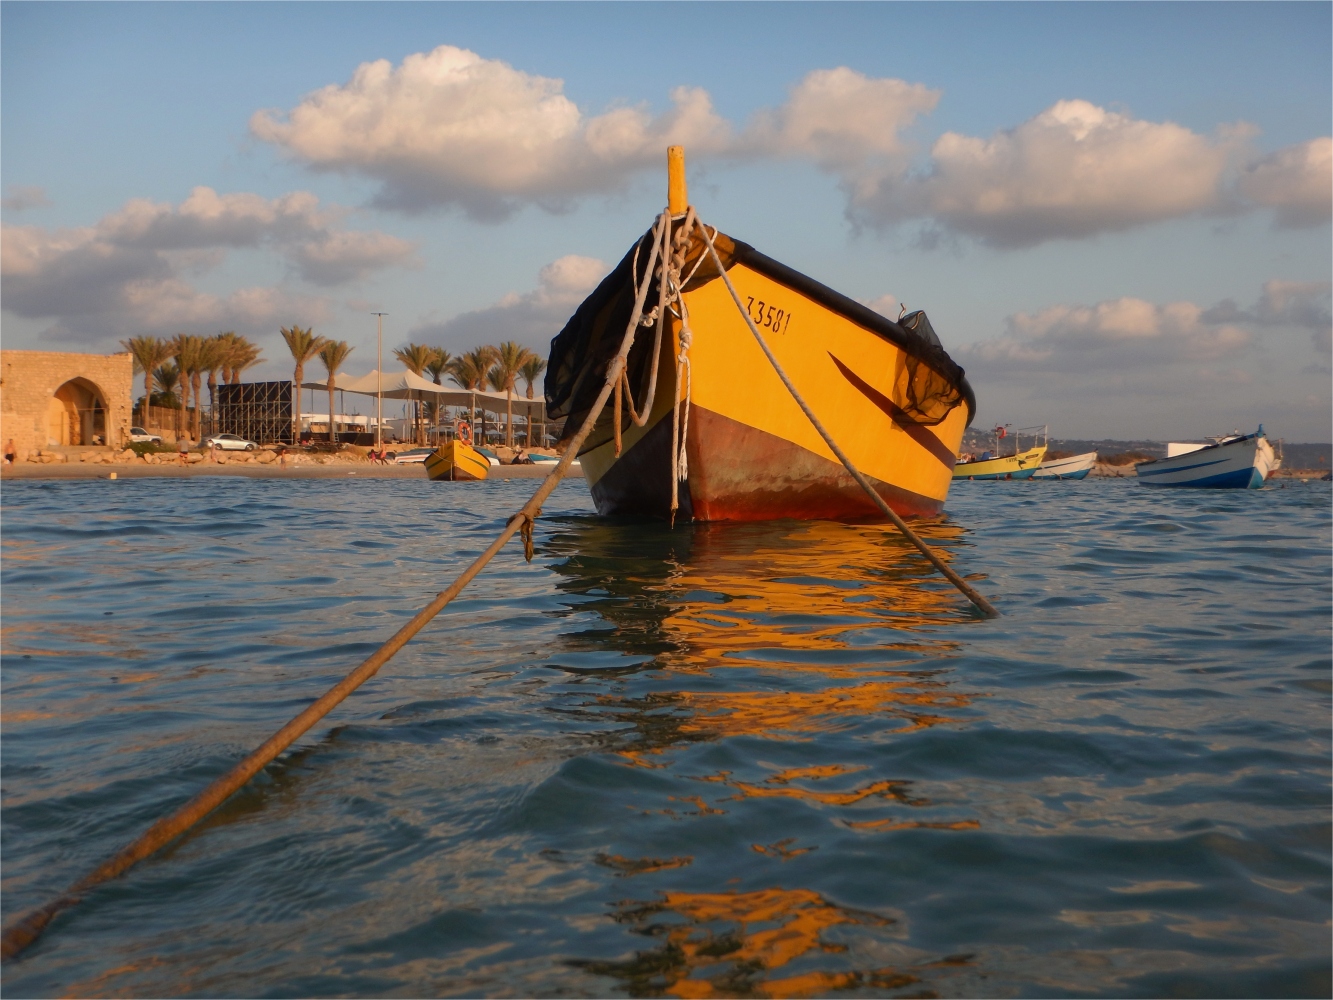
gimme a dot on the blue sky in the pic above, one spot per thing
(1117, 215)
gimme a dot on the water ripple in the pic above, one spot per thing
(765, 760)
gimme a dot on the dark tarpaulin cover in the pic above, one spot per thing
(932, 384)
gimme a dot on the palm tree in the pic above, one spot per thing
(415, 357)
(247, 355)
(166, 376)
(304, 345)
(214, 356)
(185, 349)
(469, 372)
(148, 353)
(437, 368)
(193, 358)
(227, 342)
(510, 357)
(333, 354)
(530, 372)
(464, 373)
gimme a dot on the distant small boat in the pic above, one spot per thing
(1070, 467)
(1237, 462)
(1020, 465)
(456, 461)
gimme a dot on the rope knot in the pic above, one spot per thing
(525, 530)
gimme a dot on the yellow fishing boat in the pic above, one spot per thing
(709, 431)
(1020, 465)
(457, 461)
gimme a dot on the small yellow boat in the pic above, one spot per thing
(886, 391)
(1020, 465)
(456, 461)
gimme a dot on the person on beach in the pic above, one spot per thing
(282, 456)
(11, 453)
(183, 451)
(213, 451)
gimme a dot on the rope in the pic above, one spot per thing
(984, 605)
(24, 931)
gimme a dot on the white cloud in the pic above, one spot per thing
(1110, 336)
(127, 272)
(341, 257)
(885, 305)
(1303, 305)
(531, 318)
(22, 198)
(448, 126)
(846, 123)
(1120, 336)
(1296, 182)
(1072, 171)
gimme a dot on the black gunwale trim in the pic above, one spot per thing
(862, 316)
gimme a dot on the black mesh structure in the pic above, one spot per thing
(259, 411)
(931, 383)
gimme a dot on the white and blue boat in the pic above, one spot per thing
(1234, 462)
(1067, 467)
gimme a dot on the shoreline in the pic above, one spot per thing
(334, 470)
(102, 470)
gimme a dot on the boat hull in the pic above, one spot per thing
(1020, 466)
(1235, 465)
(454, 461)
(752, 453)
(1074, 467)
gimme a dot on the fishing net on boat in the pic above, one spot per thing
(929, 384)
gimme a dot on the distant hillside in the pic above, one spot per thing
(1296, 456)
(1306, 456)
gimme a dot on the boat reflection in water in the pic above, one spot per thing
(740, 943)
(807, 643)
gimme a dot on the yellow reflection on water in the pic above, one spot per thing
(731, 943)
(806, 586)
(845, 611)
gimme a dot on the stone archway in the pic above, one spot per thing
(76, 414)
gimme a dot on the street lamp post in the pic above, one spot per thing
(379, 380)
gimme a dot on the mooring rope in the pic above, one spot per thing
(880, 502)
(20, 934)
(24, 931)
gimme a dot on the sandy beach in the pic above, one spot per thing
(254, 470)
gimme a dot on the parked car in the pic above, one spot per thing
(412, 457)
(229, 442)
(140, 436)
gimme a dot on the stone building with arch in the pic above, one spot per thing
(51, 399)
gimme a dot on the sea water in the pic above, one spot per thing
(779, 759)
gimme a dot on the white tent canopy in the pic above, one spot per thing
(406, 385)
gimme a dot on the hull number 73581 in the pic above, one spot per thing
(768, 316)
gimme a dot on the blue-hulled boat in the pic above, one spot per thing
(1235, 462)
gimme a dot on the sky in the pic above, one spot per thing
(1117, 216)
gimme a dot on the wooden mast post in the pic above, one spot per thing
(678, 201)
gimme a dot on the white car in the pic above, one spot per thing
(140, 436)
(412, 457)
(229, 442)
